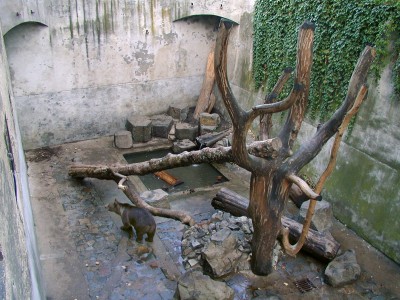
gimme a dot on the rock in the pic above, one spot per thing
(156, 198)
(185, 131)
(343, 270)
(221, 256)
(140, 127)
(161, 126)
(184, 145)
(123, 139)
(194, 285)
(179, 112)
(322, 219)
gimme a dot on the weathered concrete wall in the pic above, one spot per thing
(17, 237)
(365, 187)
(97, 62)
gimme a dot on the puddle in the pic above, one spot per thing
(192, 177)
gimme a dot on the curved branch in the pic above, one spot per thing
(304, 187)
(278, 106)
(129, 191)
(294, 249)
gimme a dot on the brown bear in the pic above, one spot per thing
(140, 218)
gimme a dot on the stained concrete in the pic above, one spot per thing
(85, 255)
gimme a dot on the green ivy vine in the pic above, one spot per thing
(343, 28)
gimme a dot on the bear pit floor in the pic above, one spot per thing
(84, 254)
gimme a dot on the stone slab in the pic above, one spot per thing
(156, 198)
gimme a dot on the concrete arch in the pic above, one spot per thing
(25, 22)
(212, 15)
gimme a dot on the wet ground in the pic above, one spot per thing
(85, 255)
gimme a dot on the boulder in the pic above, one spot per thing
(195, 285)
(322, 219)
(123, 139)
(221, 255)
(343, 270)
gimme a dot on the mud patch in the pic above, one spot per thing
(42, 154)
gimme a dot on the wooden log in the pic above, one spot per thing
(206, 100)
(168, 178)
(209, 139)
(322, 246)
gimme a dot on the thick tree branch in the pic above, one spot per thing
(278, 106)
(266, 120)
(129, 190)
(295, 118)
(310, 149)
(267, 149)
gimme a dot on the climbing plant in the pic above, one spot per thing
(343, 28)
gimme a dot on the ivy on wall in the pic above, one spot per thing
(343, 28)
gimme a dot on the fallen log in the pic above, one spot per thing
(209, 139)
(168, 178)
(320, 245)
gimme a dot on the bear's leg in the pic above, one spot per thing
(139, 235)
(150, 236)
(129, 229)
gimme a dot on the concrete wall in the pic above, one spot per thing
(17, 237)
(97, 62)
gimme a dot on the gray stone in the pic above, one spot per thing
(195, 285)
(179, 112)
(343, 270)
(185, 131)
(123, 139)
(140, 126)
(323, 215)
(156, 198)
(221, 256)
(161, 125)
(183, 145)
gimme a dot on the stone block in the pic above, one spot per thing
(123, 139)
(183, 145)
(179, 112)
(322, 219)
(156, 198)
(212, 120)
(140, 127)
(186, 131)
(161, 126)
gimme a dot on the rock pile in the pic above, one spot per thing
(221, 245)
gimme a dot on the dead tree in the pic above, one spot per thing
(273, 164)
